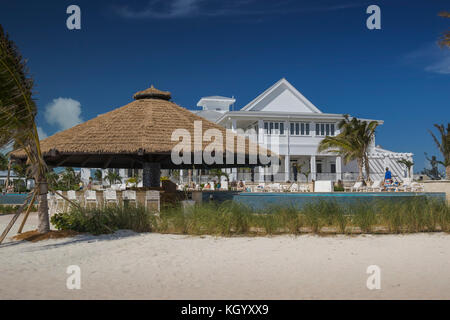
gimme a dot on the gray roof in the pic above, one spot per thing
(210, 115)
(217, 98)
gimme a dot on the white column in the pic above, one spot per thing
(260, 131)
(233, 125)
(312, 129)
(287, 167)
(261, 174)
(338, 168)
(234, 174)
(313, 167)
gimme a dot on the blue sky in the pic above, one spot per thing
(196, 48)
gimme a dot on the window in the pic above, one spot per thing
(318, 167)
(333, 168)
(325, 129)
(274, 128)
(299, 129)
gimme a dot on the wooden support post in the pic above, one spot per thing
(8, 176)
(27, 213)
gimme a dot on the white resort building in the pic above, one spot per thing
(283, 111)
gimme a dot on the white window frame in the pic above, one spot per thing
(271, 128)
(299, 124)
(327, 127)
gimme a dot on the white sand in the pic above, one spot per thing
(153, 266)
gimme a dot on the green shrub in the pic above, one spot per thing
(105, 220)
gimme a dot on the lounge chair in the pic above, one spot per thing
(323, 186)
(417, 187)
(260, 187)
(376, 186)
(304, 188)
(224, 185)
(275, 187)
(358, 186)
(406, 186)
(293, 187)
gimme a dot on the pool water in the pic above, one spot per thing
(263, 200)
(13, 198)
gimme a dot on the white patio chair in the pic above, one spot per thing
(60, 203)
(72, 196)
(51, 203)
(90, 196)
(154, 197)
(110, 196)
(129, 195)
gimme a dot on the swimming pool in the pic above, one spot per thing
(261, 200)
(13, 198)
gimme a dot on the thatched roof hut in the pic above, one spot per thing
(131, 136)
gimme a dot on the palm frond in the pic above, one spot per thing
(17, 107)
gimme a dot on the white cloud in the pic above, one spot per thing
(170, 9)
(41, 133)
(432, 58)
(63, 112)
(161, 9)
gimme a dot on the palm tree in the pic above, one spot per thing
(53, 180)
(3, 162)
(352, 143)
(443, 146)
(408, 164)
(98, 175)
(113, 177)
(218, 173)
(445, 38)
(17, 119)
(69, 178)
(5, 165)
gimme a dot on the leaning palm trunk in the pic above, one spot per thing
(367, 169)
(44, 222)
(359, 161)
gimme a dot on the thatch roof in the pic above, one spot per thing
(123, 138)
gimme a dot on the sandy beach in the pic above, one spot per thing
(128, 265)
